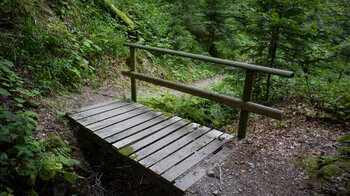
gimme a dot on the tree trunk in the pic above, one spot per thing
(120, 14)
(272, 56)
(341, 72)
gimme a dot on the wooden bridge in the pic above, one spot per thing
(172, 149)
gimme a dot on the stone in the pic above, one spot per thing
(216, 192)
(251, 165)
(340, 188)
(211, 173)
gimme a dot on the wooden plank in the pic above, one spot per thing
(116, 119)
(133, 130)
(189, 149)
(93, 106)
(167, 150)
(164, 142)
(126, 124)
(196, 173)
(142, 138)
(189, 162)
(105, 115)
(98, 110)
(224, 99)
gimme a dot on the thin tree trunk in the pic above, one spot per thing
(272, 55)
(120, 14)
(341, 72)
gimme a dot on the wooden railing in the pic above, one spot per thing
(244, 104)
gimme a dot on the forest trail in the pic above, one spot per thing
(201, 84)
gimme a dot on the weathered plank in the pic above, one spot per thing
(105, 115)
(117, 119)
(198, 172)
(189, 149)
(98, 110)
(165, 141)
(174, 123)
(201, 154)
(126, 124)
(92, 106)
(169, 149)
(137, 129)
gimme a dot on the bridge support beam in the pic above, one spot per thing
(133, 68)
(247, 94)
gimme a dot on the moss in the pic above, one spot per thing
(346, 192)
(326, 172)
(54, 141)
(310, 164)
(127, 151)
(346, 165)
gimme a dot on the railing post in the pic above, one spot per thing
(247, 94)
(133, 68)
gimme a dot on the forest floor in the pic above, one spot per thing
(264, 163)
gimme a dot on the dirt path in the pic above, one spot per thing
(199, 84)
(264, 163)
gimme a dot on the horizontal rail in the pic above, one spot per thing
(230, 101)
(257, 68)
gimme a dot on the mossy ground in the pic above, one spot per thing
(322, 169)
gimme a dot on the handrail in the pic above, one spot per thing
(247, 66)
(244, 104)
(230, 101)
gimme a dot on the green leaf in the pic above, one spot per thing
(345, 139)
(29, 113)
(4, 92)
(60, 113)
(5, 68)
(7, 62)
(19, 100)
(69, 176)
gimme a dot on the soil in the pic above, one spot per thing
(264, 163)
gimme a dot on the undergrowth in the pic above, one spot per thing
(23, 160)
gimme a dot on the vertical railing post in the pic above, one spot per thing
(247, 94)
(133, 68)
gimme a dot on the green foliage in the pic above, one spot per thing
(60, 55)
(22, 159)
(202, 111)
(345, 139)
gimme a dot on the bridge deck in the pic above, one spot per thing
(170, 148)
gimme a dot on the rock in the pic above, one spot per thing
(216, 192)
(211, 173)
(258, 164)
(251, 165)
(340, 188)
